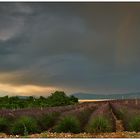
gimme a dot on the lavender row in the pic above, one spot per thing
(102, 115)
(126, 113)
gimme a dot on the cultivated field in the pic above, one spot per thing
(113, 118)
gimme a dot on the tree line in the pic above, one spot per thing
(58, 98)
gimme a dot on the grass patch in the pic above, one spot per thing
(24, 126)
(99, 124)
(68, 124)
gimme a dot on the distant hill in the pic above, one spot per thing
(109, 96)
(23, 97)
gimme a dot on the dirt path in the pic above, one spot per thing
(118, 123)
(80, 135)
(88, 135)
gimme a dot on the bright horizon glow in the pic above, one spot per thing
(25, 90)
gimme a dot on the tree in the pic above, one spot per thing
(42, 98)
(31, 98)
(73, 99)
(58, 98)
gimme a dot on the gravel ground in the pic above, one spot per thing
(80, 135)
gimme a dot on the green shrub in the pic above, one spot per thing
(99, 124)
(68, 124)
(3, 124)
(24, 126)
(134, 124)
(47, 121)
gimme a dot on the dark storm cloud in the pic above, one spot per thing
(81, 46)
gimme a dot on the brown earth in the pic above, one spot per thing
(118, 123)
(80, 135)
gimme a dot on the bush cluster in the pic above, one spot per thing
(24, 125)
(134, 124)
(4, 124)
(99, 124)
(68, 124)
(48, 120)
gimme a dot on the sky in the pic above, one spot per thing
(71, 47)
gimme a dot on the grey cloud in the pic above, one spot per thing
(84, 46)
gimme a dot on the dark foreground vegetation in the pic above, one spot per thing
(88, 117)
(57, 98)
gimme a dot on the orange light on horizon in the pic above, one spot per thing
(26, 90)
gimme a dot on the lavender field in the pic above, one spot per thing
(88, 118)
